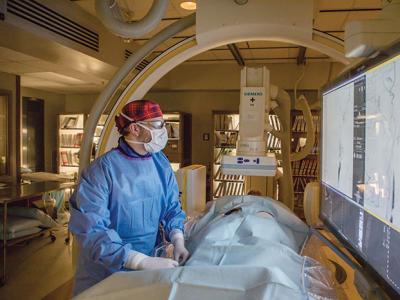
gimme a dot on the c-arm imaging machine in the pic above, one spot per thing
(257, 98)
(234, 228)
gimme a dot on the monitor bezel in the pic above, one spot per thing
(358, 70)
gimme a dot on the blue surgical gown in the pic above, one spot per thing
(121, 199)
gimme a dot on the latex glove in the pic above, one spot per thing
(181, 254)
(140, 261)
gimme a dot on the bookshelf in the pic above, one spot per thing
(178, 148)
(97, 134)
(305, 170)
(226, 131)
(70, 135)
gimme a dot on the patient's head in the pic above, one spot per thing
(254, 193)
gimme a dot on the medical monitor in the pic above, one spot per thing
(360, 164)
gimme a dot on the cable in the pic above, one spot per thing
(327, 33)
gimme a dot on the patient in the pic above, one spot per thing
(243, 247)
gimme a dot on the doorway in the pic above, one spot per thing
(32, 135)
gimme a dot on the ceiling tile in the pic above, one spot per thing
(188, 32)
(368, 3)
(205, 56)
(363, 15)
(54, 77)
(246, 53)
(329, 4)
(223, 54)
(330, 21)
(270, 53)
(313, 53)
(14, 56)
(294, 52)
(17, 68)
(88, 6)
(172, 11)
(242, 45)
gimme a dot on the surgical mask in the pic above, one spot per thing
(159, 139)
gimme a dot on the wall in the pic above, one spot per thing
(79, 103)
(8, 83)
(54, 104)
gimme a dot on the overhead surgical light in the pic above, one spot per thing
(189, 5)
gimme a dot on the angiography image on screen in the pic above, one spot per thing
(338, 149)
(360, 182)
(382, 173)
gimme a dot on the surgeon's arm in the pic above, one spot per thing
(173, 215)
(90, 219)
(173, 219)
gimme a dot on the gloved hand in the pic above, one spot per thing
(180, 252)
(140, 261)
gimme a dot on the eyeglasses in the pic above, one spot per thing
(156, 124)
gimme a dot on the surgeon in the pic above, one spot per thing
(122, 198)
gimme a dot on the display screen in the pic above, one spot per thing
(360, 166)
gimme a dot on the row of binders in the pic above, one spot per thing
(299, 123)
(299, 183)
(229, 188)
(314, 149)
(223, 177)
(305, 167)
(274, 121)
(273, 142)
(69, 158)
(71, 140)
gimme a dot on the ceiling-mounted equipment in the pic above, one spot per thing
(131, 30)
(362, 38)
(251, 158)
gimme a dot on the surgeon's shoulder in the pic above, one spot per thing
(102, 162)
(162, 158)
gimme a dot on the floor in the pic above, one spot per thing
(39, 270)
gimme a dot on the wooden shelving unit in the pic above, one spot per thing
(226, 130)
(70, 134)
(178, 149)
